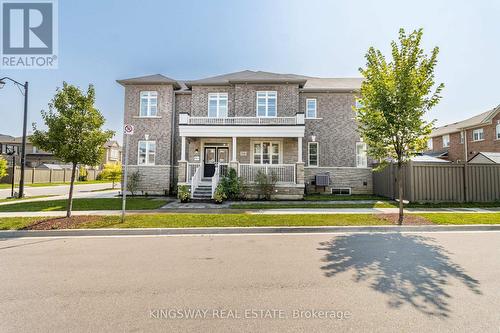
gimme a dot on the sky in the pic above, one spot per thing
(101, 41)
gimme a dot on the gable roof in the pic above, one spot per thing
(493, 157)
(477, 120)
(111, 143)
(150, 79)
(248, 76)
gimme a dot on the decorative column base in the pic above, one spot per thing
(299, 173)
(182, 172)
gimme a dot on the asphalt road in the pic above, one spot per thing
(253, 283)
(80, 190)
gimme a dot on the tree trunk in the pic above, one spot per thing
(70, 197)
(400, 190)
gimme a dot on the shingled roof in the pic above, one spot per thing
(150, 79)
(477, 120)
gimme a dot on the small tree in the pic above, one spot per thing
(394, 98)
(113, 172)
(133, 182)
(3, 167)
(266, 184)
(74, 133)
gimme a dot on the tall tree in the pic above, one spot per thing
(74, 133)
(395, 96)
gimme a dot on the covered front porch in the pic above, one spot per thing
(204, 160)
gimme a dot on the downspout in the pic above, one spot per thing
(172, 142)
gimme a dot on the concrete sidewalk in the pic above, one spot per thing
(291, 211)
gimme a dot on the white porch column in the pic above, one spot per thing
(234, 149)
(299, 149)
(183, 148)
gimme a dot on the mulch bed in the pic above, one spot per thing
(408, 219)
(61, 223)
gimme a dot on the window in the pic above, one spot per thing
(266, 103)
(266, 152)
(217, 105)
(114, 154)
(361, 157)
(446, 140)
(311, 108)
(146, 153)
(462, 137)
(498, 132)
(478, 134)
(149, 104)
(429, 144)
(341, 191)
(312, 154)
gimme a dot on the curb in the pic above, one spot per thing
(244, 230)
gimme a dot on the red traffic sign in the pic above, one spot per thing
(128, 129)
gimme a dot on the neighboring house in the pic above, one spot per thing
(112, 154)
(34, 156)
(292, 126)
(486, 158)
(459, 142)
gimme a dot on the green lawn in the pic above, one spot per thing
(4, 186)
(329, 197)
(165, 220)
(454, 205)
(311, 205)
(85, 204)
(25, 198)
(465, 218)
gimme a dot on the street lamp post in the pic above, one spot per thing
(25, 120)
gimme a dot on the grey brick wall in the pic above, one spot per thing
(199, 102)
(336, 130)
(355, 178)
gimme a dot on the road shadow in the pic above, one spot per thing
(409, 269)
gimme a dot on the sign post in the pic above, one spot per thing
(128, 130)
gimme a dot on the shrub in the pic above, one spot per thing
(232, 185)
(112, 172)
(219, 195)
(82, 174)
(183, 193)
(266, 184)
(133, 182)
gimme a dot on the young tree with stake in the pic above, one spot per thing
(395, 96)
(74, 130)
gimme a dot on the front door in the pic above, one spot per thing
(214, 155)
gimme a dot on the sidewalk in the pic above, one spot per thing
(291, 211)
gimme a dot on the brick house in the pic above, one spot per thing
(459, 142)
(191, 132)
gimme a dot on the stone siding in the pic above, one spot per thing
(354, 178)
(154, 179)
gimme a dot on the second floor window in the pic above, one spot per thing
(114, 154)
(149, 104)
(478, 134)
(429, 144)
(146, 153)
(462, 137)
(446, 140)
(498, 132)
(311, 108)
(266, 103)
(217, 105)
